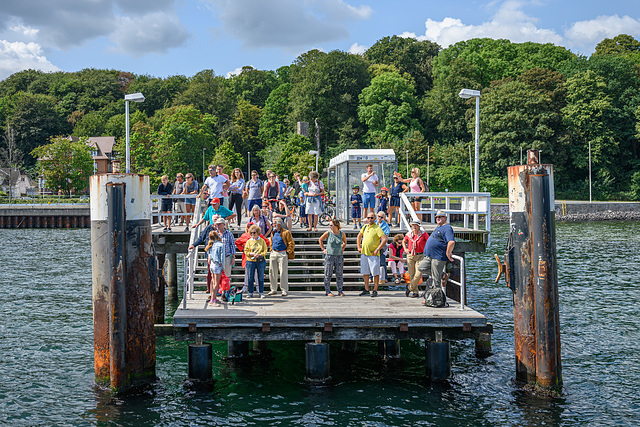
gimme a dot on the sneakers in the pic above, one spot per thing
(245, 289)
(374, 294)
(363, 293)
(414, 295)
(164, 229)
(355, 226)
(169, 229)
(285, 293)
(186, 229)
(216, 301)
(272, 293)
(262, 296)
(250, 295)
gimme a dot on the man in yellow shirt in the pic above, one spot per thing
(371, 240)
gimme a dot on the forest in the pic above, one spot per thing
(401, 93)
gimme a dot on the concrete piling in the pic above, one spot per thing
(531, 270)
(317, 358)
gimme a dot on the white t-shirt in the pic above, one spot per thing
(215, 184)
(368, 184)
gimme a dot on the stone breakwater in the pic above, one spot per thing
(581, 211)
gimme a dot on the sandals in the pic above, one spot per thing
(329, 294)
(397, 281)
(340, 294)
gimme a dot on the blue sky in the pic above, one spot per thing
(168, 37)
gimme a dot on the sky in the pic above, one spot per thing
(161, 38)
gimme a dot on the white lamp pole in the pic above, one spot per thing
(407, 152)
(135, 97)
(317, 154)
(589, 171)
(203, 169)
(466, 94)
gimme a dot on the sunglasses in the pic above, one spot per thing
(371, 217)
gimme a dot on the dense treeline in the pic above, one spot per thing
(401, 94)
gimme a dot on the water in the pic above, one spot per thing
(46, 353)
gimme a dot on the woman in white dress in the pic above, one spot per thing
(313, 205)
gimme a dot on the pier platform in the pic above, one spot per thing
(301, 315)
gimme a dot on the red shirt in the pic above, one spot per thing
(416, 243)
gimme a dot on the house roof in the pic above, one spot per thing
(103, 144)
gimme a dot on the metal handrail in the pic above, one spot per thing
(471, 204)
(191, 258)
(463, 281)
(155, 207)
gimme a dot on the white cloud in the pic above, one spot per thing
(287, 24)
(17, 56)
(236, 72)
(586, 34)
(151, 33)
(25, 31)
(509, 22)
(357, 49)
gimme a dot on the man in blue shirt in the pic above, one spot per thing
(216, 209)
(438, 250)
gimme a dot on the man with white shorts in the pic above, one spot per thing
(371, 240)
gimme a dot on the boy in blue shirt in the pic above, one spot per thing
(356, 203)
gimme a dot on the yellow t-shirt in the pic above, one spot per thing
(371, 235)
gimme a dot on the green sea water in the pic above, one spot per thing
(46, 352)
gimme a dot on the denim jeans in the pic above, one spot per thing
(252, 267)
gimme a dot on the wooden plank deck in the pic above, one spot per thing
(300, 315)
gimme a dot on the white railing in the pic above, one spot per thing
(466, 204)
(156, 205)
(463, 281)
(191, 258)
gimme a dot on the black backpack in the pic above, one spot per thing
(435, 297)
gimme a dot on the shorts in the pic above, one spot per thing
(394, 201)
(167, 206)
(415, 199)
(369, 264)
(215, 268)
(180, 206)
(356, 212)
(369, 200)
(190, 201)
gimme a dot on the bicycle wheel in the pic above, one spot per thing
(294, 215)
(324, 219)
(330, 210)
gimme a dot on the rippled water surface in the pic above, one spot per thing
(46, 352)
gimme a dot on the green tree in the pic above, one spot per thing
(387, 107)
(407, 55)
(274, 122)
(228, 157)
(91, 124)
(65, 164)
(210, 94)
(294, 156)
(243, 133)
(622, 44)
(254, 86)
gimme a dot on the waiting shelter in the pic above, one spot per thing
(345, 171)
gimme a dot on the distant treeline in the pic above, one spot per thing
(401, 94)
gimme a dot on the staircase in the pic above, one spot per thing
(306, 271)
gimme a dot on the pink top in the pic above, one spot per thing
(414, 186)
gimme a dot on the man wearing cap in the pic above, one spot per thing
(229, 243)
(282, 250)
(413, 244)
(371, 240)
(216, 209)
(438, 250)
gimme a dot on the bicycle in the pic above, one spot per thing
(329, 211)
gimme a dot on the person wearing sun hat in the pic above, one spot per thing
(438, 250)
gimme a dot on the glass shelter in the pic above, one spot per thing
(345, 171)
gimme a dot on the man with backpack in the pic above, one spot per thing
(438, 250)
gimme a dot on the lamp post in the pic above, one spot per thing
(135, 97)
(466, 94)
(317, 154)
(248, 165)
(589, 171)
(407, 153)
(203, 150)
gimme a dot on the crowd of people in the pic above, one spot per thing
(267, 235)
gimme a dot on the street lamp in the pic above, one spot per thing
(407, 152)
(317, 154)
(466, 94)
(203, 169)
(135, 97)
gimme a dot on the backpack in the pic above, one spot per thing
(435, 297)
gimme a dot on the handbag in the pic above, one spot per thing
(260, 258)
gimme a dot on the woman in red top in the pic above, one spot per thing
(413, 245)
(396, 257)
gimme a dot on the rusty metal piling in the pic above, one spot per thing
(531, 273)
(123, 276)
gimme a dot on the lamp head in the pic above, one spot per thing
(469, 93)
(135, 97)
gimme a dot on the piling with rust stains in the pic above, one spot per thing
(122, 272)
(531, 270)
